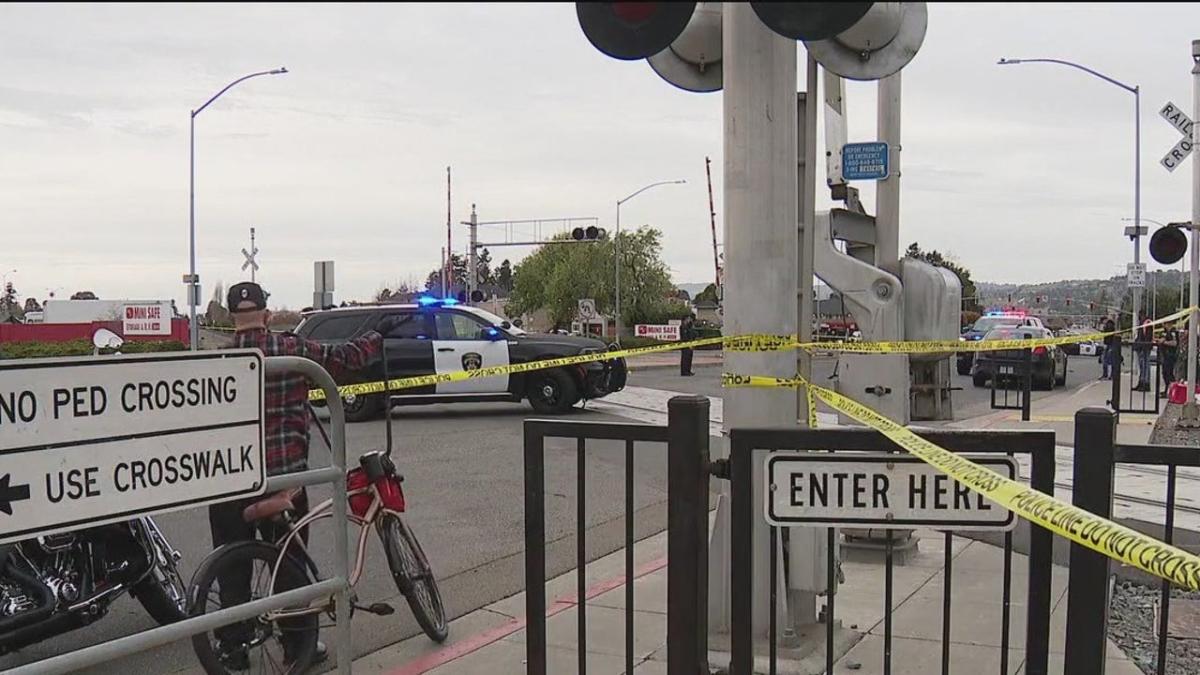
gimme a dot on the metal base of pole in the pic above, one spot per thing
(1189, 417)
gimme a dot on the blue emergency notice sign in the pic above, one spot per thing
(865, 161)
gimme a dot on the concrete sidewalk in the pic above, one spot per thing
(492, 640)
(667, 360)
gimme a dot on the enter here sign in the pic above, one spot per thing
(878, 490)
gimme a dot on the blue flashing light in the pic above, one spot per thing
(430, 301)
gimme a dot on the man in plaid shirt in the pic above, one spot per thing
(287, 437)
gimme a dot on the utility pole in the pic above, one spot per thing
(472, 255)
(449, 248)
(253, 251)
(760, 234)
(1190, 417)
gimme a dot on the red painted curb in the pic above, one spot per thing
(479, 641)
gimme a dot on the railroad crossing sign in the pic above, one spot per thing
(87, 441)
(250, 259)
(1135, 275)
(1183, 124)
(587, 308)
(878, 490)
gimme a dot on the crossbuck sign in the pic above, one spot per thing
(87, 441)
(1183, 124)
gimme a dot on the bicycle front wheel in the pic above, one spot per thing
(238, 573)
(414, 578)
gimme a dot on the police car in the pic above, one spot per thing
(443, 336)
(992, 320)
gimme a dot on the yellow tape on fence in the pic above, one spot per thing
(1099, 534)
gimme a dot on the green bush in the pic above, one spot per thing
(44, 350)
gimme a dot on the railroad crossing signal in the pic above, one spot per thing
(1168, 244)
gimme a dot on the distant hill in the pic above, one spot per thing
(1109, 293)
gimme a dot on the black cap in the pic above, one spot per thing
(246, 291)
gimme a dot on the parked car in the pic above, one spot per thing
(442, 336)
(1049, 363)
(986, 323)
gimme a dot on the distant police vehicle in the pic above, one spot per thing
(1049, 363)
(443, 336)
(987, 322)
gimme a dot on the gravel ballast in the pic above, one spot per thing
(1131, 626)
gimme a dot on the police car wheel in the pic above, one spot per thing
(362, 408)
(552, 391)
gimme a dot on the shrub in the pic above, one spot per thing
(44, 350)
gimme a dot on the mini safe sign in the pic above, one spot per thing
(146, 319)
(90, 440)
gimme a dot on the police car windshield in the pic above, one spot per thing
(493, 320)
(1014, 333)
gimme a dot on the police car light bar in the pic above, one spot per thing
(430, 301)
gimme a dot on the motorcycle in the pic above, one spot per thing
(54, 584)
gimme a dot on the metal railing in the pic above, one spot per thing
(748, 448)
(1005, 372)
(686, 436)
(337, 586)
(1096, 456)
(1130, 399)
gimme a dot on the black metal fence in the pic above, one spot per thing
(1007, 373)
(1141, 394)
(1097, 454)
(745, 447)
(686, 437)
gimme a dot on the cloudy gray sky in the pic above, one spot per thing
(1022, 172)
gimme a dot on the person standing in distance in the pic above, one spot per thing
(287, 438)
(1112, 346)
(687, 331)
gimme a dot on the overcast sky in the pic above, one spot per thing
(1021, 172)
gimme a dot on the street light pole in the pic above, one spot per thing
(193, 281)
(1137, 152)
(617, 245)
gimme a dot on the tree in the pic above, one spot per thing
(557, 276)
(970, 296)
(709, 294)
(402, 292)
(9, 296)
(458, 268)
(504, 276)
(32, 305)
(84, 295)
(483, 267)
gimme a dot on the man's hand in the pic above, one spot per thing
(388, 324)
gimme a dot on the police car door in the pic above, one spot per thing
(464, 342)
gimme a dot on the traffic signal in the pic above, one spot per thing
(633, 30)
(810, 20)
(589, 233)
(1168, 244)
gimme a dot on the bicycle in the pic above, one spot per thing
(376, 500)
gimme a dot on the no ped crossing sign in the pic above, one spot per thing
(865, 161)
(87, 441)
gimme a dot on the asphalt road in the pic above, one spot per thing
(969, 400)
(464, 484)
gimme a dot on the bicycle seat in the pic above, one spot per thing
(271, 506)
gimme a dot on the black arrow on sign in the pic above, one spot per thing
(10, 494)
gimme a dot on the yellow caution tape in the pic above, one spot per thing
(1099, 534)
(736, 343)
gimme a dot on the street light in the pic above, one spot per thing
(193, 281)
(1137, 151)
(617, 243)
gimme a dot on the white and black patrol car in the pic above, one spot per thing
(442, 336)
